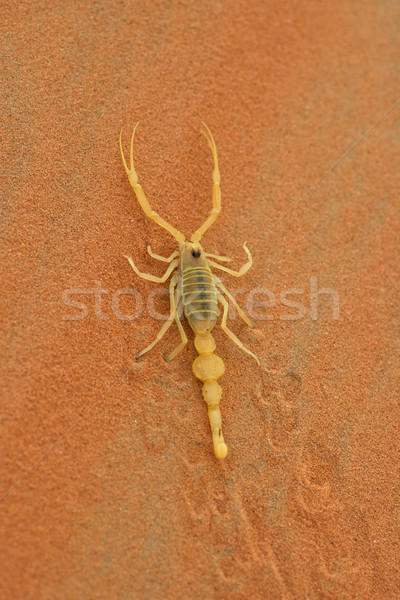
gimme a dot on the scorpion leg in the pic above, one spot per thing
(141, 196)
(241, 271)
(241, 312)
(183, 343)
(221, 258)
(170, 319)
(158, 257)
(216, 209)
(230, 333)
(154, 278)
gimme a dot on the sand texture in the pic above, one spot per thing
(109, 486)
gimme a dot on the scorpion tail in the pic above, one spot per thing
(208, 367)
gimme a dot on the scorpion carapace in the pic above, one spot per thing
(197, 291)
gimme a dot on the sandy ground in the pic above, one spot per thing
(109, 484)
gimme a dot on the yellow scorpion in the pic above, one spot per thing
(194, 288)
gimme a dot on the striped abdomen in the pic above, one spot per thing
(199, 298)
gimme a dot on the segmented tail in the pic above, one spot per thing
(208, 367)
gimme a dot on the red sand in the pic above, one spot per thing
(109, 484)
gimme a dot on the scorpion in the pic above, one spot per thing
(197, 290)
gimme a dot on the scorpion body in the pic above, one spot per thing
(196, 291)
(200, 298)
